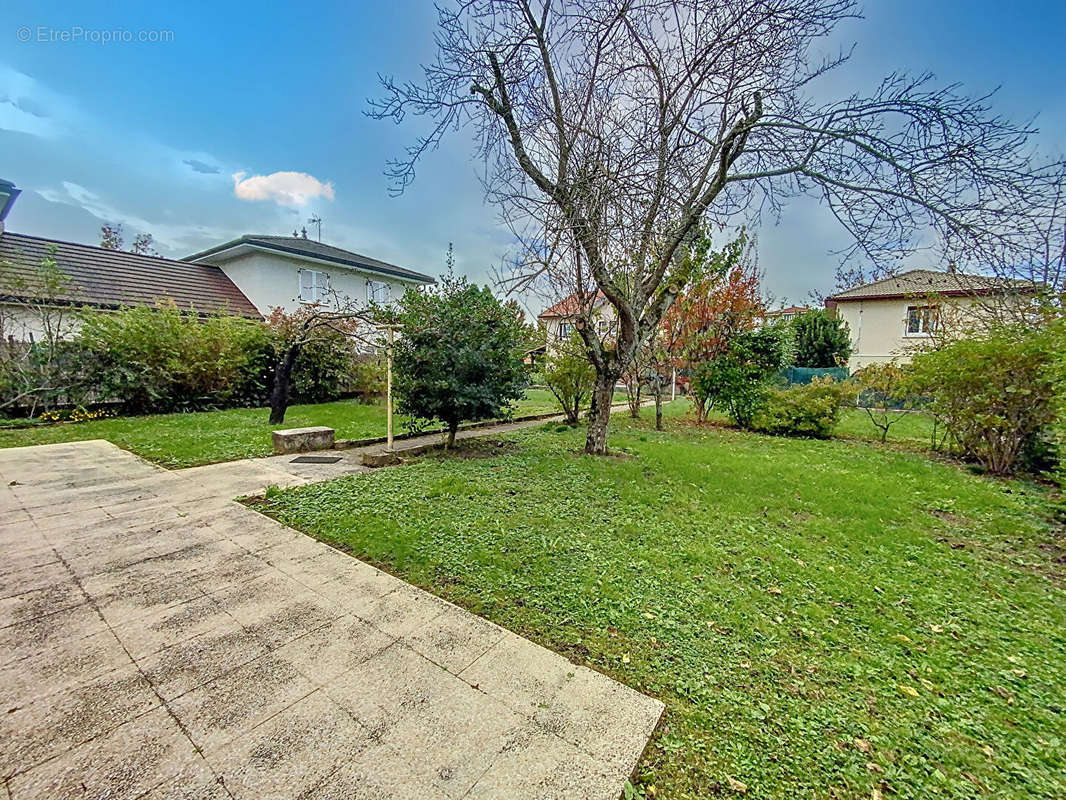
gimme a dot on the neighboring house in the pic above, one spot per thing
(289, 272)
(561, 319)
(106, 279)
(249, 277)
(783, 314)
(892, 318)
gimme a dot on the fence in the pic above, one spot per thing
(802, 375)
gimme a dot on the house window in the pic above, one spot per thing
(378, 292)
(921, 320)
(314, 286)
(606, 327)
(565, 329)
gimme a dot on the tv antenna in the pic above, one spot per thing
(316, 220)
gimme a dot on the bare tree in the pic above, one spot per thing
(611, 128)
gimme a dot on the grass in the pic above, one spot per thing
(822, 619)
(185, 440)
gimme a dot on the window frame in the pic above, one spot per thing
(927, 317)
(318, 286)
(372, 288)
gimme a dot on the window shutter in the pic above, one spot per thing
(306, 286)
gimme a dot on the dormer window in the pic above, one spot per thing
(378, 292)
(314, 286)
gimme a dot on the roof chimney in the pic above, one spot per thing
(8, 194)
(952, 268)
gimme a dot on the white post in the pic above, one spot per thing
(388, 393)
(673, 384)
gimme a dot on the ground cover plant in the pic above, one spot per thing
(185, 440)
(821, 618)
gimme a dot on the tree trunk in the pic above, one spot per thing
(599, 415)
(452, 428)
(658, 409)
(279, 397)
(574, 416)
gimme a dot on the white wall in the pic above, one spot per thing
(23, 326)
(879, 327)
(272, 280)
(604, 313)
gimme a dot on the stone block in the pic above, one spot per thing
(303, 440)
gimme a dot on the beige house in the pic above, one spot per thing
(561, 319)
(786, 314)
(893, 318)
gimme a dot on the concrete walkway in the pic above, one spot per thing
(159, 640)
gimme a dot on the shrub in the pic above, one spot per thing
(821, 340)
(161, 359)
(811, 410)
(459, 355)
(994, 393)
(737, 381)
(570, 376)
(366, 377)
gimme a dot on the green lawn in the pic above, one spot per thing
(822, 619)
(913, 429)
(183, 440)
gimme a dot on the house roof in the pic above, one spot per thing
(305, 248)
(789, 310)
(927, 281)
(114, 278)
(570, 306)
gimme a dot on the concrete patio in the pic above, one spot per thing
(159, 640)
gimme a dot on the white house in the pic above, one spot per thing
(891, 319)
(289, 272)
(249, 277)
(560, 320)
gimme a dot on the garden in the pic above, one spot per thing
(822, 618)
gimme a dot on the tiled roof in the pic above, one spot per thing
(114, 278)
(570, 306)
(789, 310)
(299, 246)
(927, 281)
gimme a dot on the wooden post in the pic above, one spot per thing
(388, 392)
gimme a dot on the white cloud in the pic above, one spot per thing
(172, 237)
(284, 188)
(26, 106)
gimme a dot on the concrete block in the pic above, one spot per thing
(303, 440)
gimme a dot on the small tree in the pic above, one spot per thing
(39, 313)
(459, 356)
(569, 376)
(723, 303)
(635, 378)
(112, 237)
(821, 340)
(884, 394)
(312, 328)
(738, 380)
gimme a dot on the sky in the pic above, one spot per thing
(236, 118)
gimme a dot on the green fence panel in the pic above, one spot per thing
(802, 375)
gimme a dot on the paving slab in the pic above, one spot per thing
(159, 640)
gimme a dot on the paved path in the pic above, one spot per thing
(159, 640)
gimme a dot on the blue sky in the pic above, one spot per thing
(151, 134)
